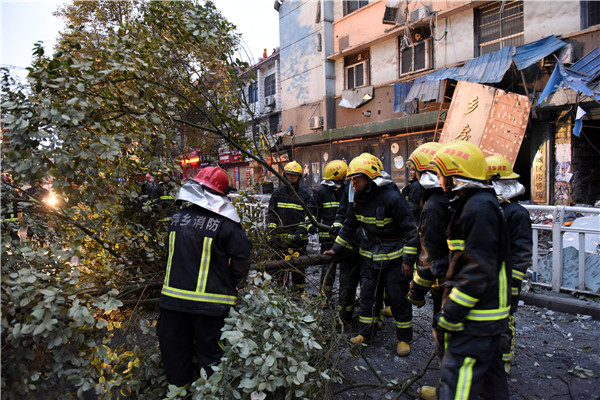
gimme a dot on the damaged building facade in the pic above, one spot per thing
(518, 78)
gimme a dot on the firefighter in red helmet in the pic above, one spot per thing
(209, 255)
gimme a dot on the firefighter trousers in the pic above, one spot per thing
(472, 365)
(373, 283)
(349, 280)
(187, 339)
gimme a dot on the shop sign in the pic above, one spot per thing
(491, 118)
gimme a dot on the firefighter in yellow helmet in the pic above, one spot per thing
(476, 299)
(326, 199)
(286, 220)
(388, 250)
(434, 216)
(508, 189)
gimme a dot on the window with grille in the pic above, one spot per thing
(357, 70)
(499, 24)
(590, 13)
(270, 85)
(415, 56)
(352, 5)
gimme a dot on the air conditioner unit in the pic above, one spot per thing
(316, 122)
(270, 101)
(419, 13)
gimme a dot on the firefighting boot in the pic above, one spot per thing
(403, 349)
(387, 312)
(360, 339)
(427, 393)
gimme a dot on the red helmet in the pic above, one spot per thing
(214, 178)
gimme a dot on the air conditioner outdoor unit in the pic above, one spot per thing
(269, 101)
(316, 122)
(419, 13)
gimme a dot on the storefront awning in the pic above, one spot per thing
(489, 68)
(530, 53)
(355, 98)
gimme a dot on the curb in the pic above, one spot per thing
(563, 303)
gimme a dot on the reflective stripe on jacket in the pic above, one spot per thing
(286, 214)
(208, 255)
(390, 228)
(478, 286)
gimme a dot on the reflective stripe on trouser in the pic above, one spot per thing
(183, 337)
(327, 278)
(373, 283)
(507, 345)
(472, 365)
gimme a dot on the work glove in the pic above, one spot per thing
(335, 230)
(444, 323)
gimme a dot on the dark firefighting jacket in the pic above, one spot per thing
(434, 255)
(521, 240)
(477, 291)
(389, 227)
(208, 256)
(286, 217)
(327, 201)
(413, 193)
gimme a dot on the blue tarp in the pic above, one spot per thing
(425, 90)
(401, 89)
(489, 68)
(530, 53)
(580, 77)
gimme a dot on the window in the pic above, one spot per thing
(357, 70)
(499, 24)
(274, 124)
(270, 85)
(252, 93)
(590, 13)
(390, 15)
(415, 55)
(352, 5)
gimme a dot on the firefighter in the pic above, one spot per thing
(162, 195)
(286, 220)
(413, 191)
(327, 201)
(388, 250)
(434, 219)
(350, 264)
(507, 188)
(209, 256)
(476, 299)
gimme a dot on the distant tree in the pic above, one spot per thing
(109, 104)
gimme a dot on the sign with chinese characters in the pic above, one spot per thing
(539, 173)
(489, 117)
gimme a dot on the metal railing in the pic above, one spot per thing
(558, 231)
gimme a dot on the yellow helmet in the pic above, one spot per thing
(423, 155)
(292, 168)
(377, 160)
(365, 164)
(335, 170)
(498, 164)
(460, 158)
